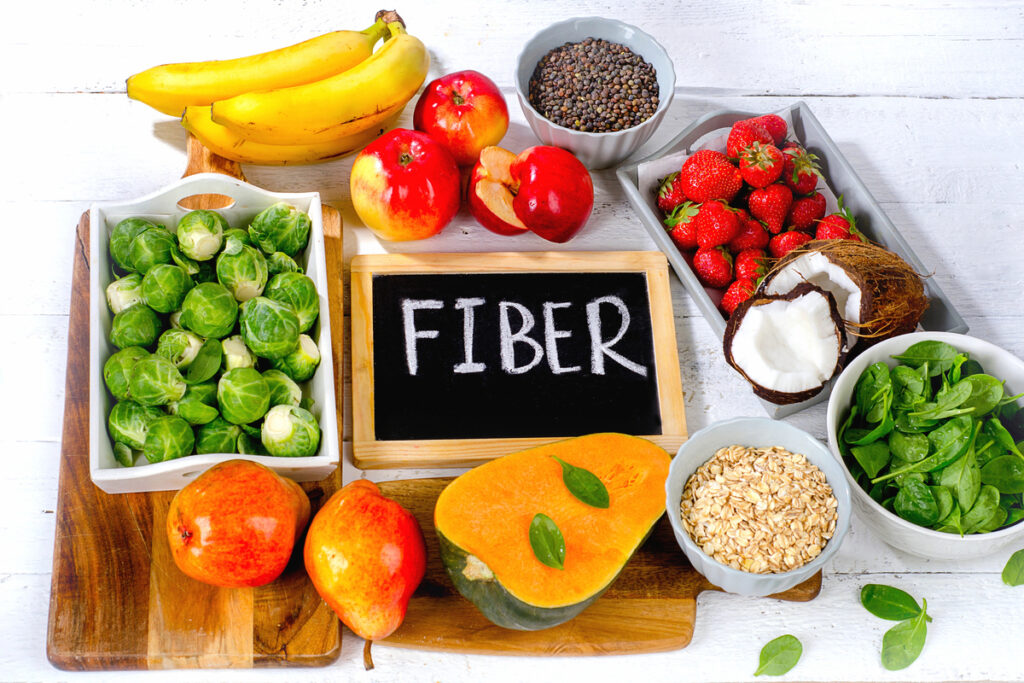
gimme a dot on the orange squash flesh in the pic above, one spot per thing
(487, 513)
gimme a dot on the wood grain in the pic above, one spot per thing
(651, 607)
(117, 599)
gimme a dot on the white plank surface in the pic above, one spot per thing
(926, 100)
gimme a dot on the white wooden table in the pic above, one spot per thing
(925, 98)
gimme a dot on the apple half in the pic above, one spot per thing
(492, 190)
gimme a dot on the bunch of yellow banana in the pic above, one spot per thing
(317, 100)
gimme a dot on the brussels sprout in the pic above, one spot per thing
(164, 287)
(250, 445)
(169, 437)
(194, 412)
(129, 421)
(136, 325)
(184, 262)
(116, 370)
(174, 320)
(290, 431)
(269, 328)
(179, 346)
(280, 227)
(150, 248)
(121, 239)
(301, 363)
(217, 436)
(124, 455)
(201, 234)
(205, 392)
(154, 381)
(243, 395)
(124, 292)
(283, 389)
(280, 262)
(209, 310)
(236, 354)
(239, 234)
(242, 269)
(207, 272)
(298, 292)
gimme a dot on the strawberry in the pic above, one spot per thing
(806, 211)
(716, 224)
(801, 172)
(785, 242)
(771, 205)
(742, 134)
(739, 291)
(708, 175)
(774, 124)
(670, 193)
(839, 225)
(751, 263)
(761, 164)
(682, 227)
(713, 266)
(752, 235)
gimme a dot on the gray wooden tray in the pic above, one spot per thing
(840, 176)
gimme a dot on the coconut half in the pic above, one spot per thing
(879, 295)
(788, 345)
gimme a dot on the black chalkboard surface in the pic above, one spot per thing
(461, 353)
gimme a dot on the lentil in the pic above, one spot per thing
(595, 86)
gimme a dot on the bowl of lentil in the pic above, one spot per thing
(594, 86)
(757, 505)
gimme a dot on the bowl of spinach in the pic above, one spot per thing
(929, 427)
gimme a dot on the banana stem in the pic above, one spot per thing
(394, 22)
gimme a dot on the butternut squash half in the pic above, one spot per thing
(483, 521)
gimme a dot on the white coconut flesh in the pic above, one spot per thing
(788, 346)
(815, 268)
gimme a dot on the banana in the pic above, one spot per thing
(171, 87)
(335, 107)
(229, 145)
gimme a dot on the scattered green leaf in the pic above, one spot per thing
(547, 541)
(779, 656)
(584, 484)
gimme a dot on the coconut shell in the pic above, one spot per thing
(892, 293)
(736, 319)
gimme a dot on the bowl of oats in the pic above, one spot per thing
(758, 506)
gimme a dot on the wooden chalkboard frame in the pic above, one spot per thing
(369, 452)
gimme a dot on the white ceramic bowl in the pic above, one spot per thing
(595, 150)
(162, 207)
(894, 530)
(753, 432)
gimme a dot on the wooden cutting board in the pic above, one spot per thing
(117, 600)
(651, 607)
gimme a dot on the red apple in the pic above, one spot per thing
(236, 524)
(464, 111)
(405, 186)
(543, 189)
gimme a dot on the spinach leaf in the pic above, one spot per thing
(1006, 473)
(986, 392)
(954, 372)
(951, 523)
(1013, 572)
(883, 428)
(909, 447)
(874, 392)
(963, 478)
(948, 403)
(547, 541)
(984, 507)
(950, 441)
(584, 485)
(872, 457)
(944, 499)
(902, 644)
(206, 363)
(995, 429)
(779, 656)
(916, 503)
(908, 423)
(938, 355)
(994, 522)
(908, 387)
(888, 602)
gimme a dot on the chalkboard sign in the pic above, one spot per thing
(459, 358)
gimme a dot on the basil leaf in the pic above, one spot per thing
(547, 541)
(779, 656)
(584, 484)
(206, 363)
(938, 355)
(888, 602)
(1013, 572)
(902, 644)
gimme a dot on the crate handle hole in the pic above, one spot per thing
(206, 201)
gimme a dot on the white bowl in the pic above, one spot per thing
(894, 530)
(162, 207)
(595, 150)
(753, 432)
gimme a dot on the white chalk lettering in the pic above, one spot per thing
(600, 348)
(409, 308)
(509, 338)
(551, 337)
(467, 306)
